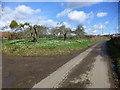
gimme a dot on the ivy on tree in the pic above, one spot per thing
(13, 24)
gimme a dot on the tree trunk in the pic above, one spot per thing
(34, 39)
(64, 36)
(35, 35)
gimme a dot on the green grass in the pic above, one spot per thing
(44, 46)
(3, 40)
(115, 53)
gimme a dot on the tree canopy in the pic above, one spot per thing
(38, 31)
(80, 31)
(13, 24)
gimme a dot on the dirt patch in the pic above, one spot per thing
(24, 72)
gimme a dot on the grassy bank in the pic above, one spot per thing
(114, 50)
(44, 46)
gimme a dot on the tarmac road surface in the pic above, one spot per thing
(93, 71)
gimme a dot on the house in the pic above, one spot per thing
(4, 35)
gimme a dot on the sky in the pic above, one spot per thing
(97, 17)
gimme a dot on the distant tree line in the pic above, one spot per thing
(26, 30)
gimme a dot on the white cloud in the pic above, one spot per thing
(48, 23)
(79, 16)
(84, 27)
(106, 33)
(3, 24)
(102, 14)
(76, 16)
(97, 28)
(67, 25)
(63, 13)
(23, 14)
(23, 11)
(51, 23)
(106, 22)
(20, 13)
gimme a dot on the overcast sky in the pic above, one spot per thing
(95, 16)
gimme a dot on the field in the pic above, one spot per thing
(44, 46)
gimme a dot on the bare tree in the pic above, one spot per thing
(63, 30)
(79, 31)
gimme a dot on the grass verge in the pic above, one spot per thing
(114, 52)
(44, 46)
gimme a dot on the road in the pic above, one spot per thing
(90, 69)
